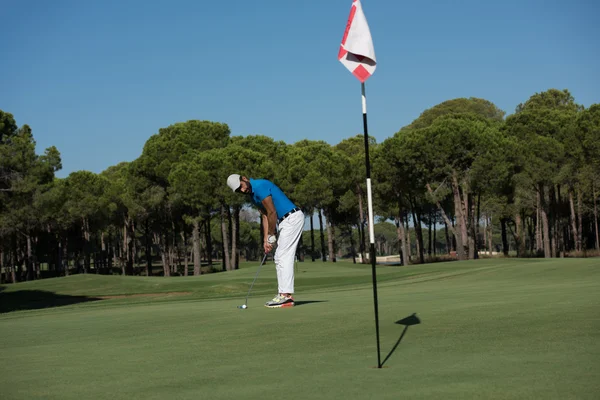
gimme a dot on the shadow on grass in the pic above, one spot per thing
(301, 303)
(37, 299)
(408, 321)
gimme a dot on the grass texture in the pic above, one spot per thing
(489, 329)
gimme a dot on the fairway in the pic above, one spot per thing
(489, 329)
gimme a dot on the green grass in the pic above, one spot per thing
(490, 329)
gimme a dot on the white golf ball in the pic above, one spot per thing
(244, 306)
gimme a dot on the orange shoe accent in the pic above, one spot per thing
(286, 305)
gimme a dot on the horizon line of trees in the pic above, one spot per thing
(461, 166)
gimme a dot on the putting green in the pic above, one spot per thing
(490, 329)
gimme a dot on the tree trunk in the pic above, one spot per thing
(418, 230)
(8, 267)
(100, 265)
(86, 245)
(196, 247)
(465, 228)
(596, 217)
(14, 257)
(520, 243)
(503, 222)
(59, 262)
(111, 253)
(323, 253)
(471, 226)
(29, 259)
(20, 257)
(574, 221)
(434, 233)
(148, 248)
(209, 247)
(184, 239)
(448, 224)
(490, 235)
(173, 249)
(164, 256)
(2, 276)
(429, 235)
(545, 225)
(13, 270)
(408, 240)
(52, 252)
(225, 236)
(361, 241)
(158, 241)
(553, 218)
(352, 246)
(330, 238)
(449, 246)
(485, 233)
(5, 264)
(459, 212)
(12, 262)
(580, 221)
(312, 240)
(476, 224)
(66, 255)
(361, 225)
(539, 243)
(125, 248)
(36, 264)
(401, 232)
(134, 248)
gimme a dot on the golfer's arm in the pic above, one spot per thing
(269, 216)
(265, 222)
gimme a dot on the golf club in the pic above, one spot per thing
(245, 305)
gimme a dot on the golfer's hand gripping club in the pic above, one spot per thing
(270, 243)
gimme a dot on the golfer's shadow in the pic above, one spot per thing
(408, 321)
(301, 303)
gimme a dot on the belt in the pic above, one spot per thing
(293, 210)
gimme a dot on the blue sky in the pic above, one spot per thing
(98, 78)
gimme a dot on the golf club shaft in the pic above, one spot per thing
(256, 276)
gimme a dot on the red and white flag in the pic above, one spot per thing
(356, 51)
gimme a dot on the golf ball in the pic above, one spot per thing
(244, 306)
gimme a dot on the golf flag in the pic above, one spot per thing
(358, 55)
(356, 51)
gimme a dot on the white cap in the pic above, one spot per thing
(233, 182)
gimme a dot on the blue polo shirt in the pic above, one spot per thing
(262, 188)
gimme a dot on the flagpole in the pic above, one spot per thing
(358, 55)
(371, 227)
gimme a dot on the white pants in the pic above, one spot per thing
(290, 230)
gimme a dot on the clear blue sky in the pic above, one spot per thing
(98, 78)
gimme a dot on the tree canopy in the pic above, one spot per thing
(460, 179)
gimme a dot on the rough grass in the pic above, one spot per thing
(490, 329)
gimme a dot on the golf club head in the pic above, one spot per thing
(252, 285)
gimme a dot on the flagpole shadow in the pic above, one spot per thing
(408, 321)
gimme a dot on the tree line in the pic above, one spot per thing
(461, 170)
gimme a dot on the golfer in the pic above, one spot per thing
(275, 208)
